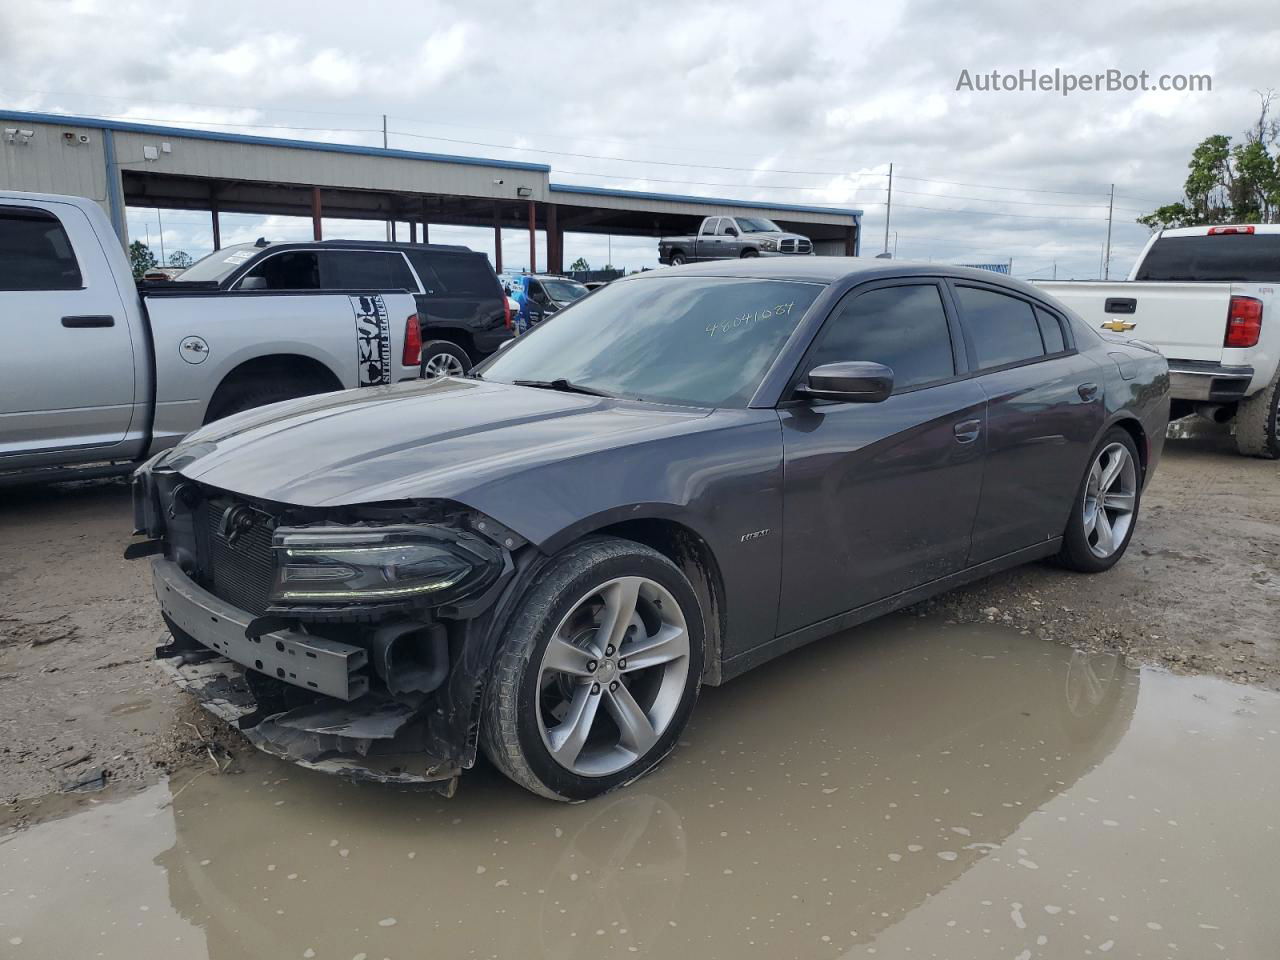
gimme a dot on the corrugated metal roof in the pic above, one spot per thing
(99, 123)
(713, 201)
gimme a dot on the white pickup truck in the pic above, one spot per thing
(1206, 298)
(97, 373)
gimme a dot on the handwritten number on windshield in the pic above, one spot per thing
(749, 318)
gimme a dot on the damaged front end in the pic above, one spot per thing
(353, 640)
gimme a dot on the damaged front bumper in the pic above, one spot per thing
(295, 696)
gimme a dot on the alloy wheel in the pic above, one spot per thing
(612, 676)
(1109, 500)
(442, 365)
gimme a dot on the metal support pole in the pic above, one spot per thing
(497, 242)
(316, 232)
(555, 253)
(533, 237)
(413, 230)
(1111, 202)
(888, 209)
(217, 228)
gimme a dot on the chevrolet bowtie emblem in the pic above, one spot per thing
(1118, 326)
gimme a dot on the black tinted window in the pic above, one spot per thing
(455, 275)
(366, 270)
(1003, 329)
(1050, 332)
(1245, 257)
(703, 341)
(35, 253)
(904, 328)
(292, 270)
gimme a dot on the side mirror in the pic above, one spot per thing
(730, 231)
(253, 283)
(857, 381)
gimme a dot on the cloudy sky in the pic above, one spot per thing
(757, 100)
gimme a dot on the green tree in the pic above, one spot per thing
(140, 258)
(180, 258)
(1227, 183)
(580, 264)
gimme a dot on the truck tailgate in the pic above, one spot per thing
(1186, 321)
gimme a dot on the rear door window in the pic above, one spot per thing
(1002, 329)
(903, 327)
(365, 270)
(709, 226)
(455, 275)
(35, 252)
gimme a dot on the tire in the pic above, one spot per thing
(746, 254)
(568, 603)
(442, 358)
(677, 259)
(1256, 428)
(237, 398)
(1084, 547)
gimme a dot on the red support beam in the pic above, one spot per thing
(317, 233)
(555, 241)
(533, 237)
(426, 232)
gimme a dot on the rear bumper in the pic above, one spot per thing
(1207, 381)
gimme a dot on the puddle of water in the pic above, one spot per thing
(907, 789)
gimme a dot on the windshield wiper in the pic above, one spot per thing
(564, 386)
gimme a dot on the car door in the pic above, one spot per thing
(880, 497)
(1044, 408)
(729, 246)
(707, 243)
(68, 382)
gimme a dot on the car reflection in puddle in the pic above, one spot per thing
(963, 792)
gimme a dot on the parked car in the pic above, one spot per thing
(547, 560)
(462, 311)
(729, 238)
(541, 295)
(1200, 295)
(97, 375)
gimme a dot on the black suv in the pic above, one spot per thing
(462, 309)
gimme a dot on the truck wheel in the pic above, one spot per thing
(1105, 511)
(1256, 427)
(750, 253)
(237, 398)
(597, 671)
(677, 259)
(440, 358)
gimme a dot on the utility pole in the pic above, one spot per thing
(895, 244)
(384, 147)
(1106, 269)
(1055, 269)
(888, 208)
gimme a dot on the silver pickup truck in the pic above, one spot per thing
(728, 238)
(97, 373)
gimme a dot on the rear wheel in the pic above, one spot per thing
(1105, 511)
(677, 259)
(1257, 423)
(440, 358)
(597, 672)
(236, 398)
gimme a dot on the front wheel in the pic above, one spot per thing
(1105, 510)
(597, 671)
(749, 253)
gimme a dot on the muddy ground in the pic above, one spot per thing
(1198, 592)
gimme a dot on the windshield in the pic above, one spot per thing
(1243, 257)
(564, 291)
(220, 264)
(700, 341)
(757, 225)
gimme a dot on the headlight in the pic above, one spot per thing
(768, 244)
(390, 564)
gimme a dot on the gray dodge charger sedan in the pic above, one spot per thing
(681, 476)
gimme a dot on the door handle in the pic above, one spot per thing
(1087, 391)
(967, 430)
(88, 321)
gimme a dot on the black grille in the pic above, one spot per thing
(240, 572)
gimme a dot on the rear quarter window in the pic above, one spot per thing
(35, 252)
(455, 275)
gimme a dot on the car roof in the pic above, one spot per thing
(1204, 230)
(364, 245)
(831, 269)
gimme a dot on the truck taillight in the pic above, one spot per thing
(1244, 322)
(506, 311)
(412, 342)
(1229, 231)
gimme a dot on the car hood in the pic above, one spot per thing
(426, 439)
(770, 235)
